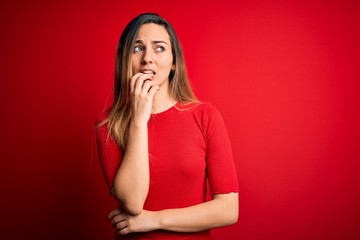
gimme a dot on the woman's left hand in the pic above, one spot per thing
(125, 223)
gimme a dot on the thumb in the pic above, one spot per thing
(153, 90)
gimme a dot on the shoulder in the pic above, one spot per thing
(204, 112)
(197, 107)
(102, 126)
(102, 116)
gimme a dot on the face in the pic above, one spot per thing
(152, 53)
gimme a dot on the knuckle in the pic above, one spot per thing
(133, 79)
(142, 96)
(134, 94)
(130, 228)
(147, 84)
(113, 222)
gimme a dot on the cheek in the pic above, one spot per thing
(134, 65)
(167, 61)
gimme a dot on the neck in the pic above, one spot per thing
(162, 101)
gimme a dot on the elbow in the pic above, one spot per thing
(131, 206)
(228, 217)
(229, 209)
(232, 217)
(233, 212)
(132, 209)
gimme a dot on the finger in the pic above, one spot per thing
(121, 225)
(140, 82)
(113, 213)
(153, 90)
(146, 87)
(133, 81)
(124, 231)
(118, 218)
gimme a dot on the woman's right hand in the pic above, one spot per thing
(142, 92)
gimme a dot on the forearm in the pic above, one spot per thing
(221, 211)
(132, 179)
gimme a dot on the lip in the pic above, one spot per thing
(147, 71)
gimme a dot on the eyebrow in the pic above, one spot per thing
(154, 42)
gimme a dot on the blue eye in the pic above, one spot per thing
(138, 48)
(160, 49)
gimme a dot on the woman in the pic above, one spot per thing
(159, 146)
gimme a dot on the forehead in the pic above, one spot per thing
(153, 32)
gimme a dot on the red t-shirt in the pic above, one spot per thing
(188, 146)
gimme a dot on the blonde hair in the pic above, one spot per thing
(118, 120)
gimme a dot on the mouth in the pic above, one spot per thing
(148, 71)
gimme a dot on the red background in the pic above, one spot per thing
(285, 77)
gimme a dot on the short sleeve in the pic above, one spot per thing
(220, 167)
(109, 153)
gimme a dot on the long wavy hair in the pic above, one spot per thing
(118, 120)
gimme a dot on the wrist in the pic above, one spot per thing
(138, 123)
(158, 220)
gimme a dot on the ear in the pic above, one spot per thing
(172, 72)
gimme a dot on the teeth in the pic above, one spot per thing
(148, 71)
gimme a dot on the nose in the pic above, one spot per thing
(147, 56)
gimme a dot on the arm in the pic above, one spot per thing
(132, 179)
(222, 210)
(112, 157)
(131, 182)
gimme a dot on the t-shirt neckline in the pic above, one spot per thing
(170, 109)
